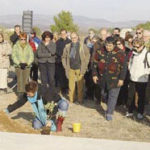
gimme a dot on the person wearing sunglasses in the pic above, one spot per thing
(22, 56)
(139, 74)
(139, 33)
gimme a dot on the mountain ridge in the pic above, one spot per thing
(84, 23)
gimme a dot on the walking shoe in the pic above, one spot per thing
(129, 114)
(108, 117)
(139, 116)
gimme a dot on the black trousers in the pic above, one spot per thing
(97, 92)
(47, 72)
(148, 93)
(123, 94)
(60, 77)
(89, 84)
(140, 88)
(34, 72)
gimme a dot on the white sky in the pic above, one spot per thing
(112, 10)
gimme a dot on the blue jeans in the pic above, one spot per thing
(111, 97)
(37, 124)
(63, 105)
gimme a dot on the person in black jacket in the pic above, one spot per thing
(88, 75)
(15, 36)
(61, 80)
(123, 94)
(46, 53)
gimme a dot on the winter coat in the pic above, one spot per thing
(20, 55)
(109, 67)
(5, 52)
(60, 45)
(14, 38)
(46, 53)
(84, 57)
(139, 71)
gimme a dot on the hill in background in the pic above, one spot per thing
(44, 22)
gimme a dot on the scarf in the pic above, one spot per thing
(74, 48)
(38, 108)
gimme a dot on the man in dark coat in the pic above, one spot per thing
(61, 80)
(109, 71)
(15, 36)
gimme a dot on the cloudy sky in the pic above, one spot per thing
(112, 10)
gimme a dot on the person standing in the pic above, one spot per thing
(103, 34)
(139, 65)
(99, 44)
(46, 54)
(109, 71)
(5, 52)
(34, 42)
(75, 60)
(139, 33)
(15, 36)
(123, 94)
(61, 80)
(22, 57)
(116, 32)
(88, 75)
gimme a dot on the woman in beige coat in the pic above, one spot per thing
(5, 52)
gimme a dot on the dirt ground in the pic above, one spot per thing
(90, 115)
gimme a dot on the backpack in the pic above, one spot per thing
(146, 63)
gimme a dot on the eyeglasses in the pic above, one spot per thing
(23, 39)
(137, 47)
(138, 33)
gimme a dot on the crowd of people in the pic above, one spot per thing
(105, 67)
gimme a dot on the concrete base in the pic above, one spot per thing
(14, 141)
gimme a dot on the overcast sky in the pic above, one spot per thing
(112, 10)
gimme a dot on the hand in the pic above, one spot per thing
(23, 65)
(120, 83)
(48, 124)
(95, 79)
